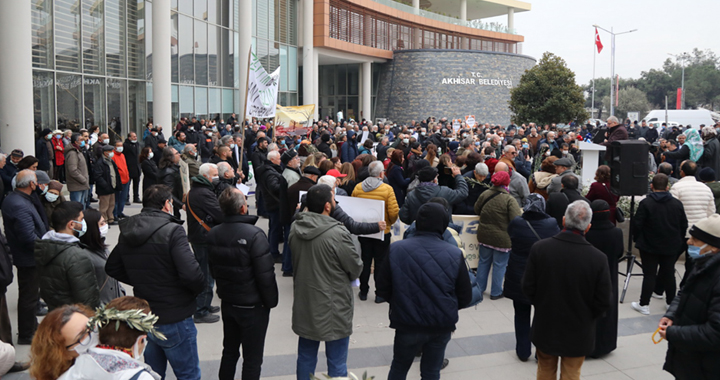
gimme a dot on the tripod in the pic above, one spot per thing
(631, 262)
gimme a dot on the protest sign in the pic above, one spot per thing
(262, 90)
(364, 210)
(293, 121)
(470, 120)
(457, 123)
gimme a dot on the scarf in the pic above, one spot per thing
(695, 143)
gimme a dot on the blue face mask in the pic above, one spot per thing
(83, 229)
(694, 251)
(82, 144)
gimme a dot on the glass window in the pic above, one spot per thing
(187, 106)
(136, 37)
(94, 90)
(236, 59)
(92, 37)
(353, 79)
(69, 107)
(236, 94)
(214, 102)
(283, 68)
(231, 15)
(200, 9)
(273, 57)
(292, 69)
(173, 5)
(262, 18)
(342, 74)
(263, 53)
(213, 48)
(186, 6)
(353, 107)
(200, 44)
(226, 59)
(116, 108)
(147, 38)
(175, 101)
(213, 12)
(185, 61)
(201, 102)
(115, 37)
(42, 34)
(292, 23)
(174, 48)
(227, 101)
(44, 99)
(254, 13)
(67, 41)
(136, 106)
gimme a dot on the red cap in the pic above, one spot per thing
(335, 173)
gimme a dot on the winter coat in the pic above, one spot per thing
(495, 217)
(6, 271)
(539, 183)
(426, 282)
(103, 178)
(241, 263)
(291, 176)
(427, 190)
(122, 170)
(42, 154)
(715, 188)
(293, 196)
(193, 165)
(396, 179)
(203, 202)
(558, 203)
(523, 238)
(270, 181)
(475, 188)
(694, 337)
(76, 169)
(59, 148)
(170, 177)
(23, 226)
(696, 197)
(568, 282)
(154, 257)
(518, 187)
(106, 364)
(659, 225)
(65, 271)
(325, 262)
(710, 157)
(556, 183)
(150, 173)
(132, 153)
(382, 192)
(601, 190)
(50, 207)
(349, 150)
(108, 287)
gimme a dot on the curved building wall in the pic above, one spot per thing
(417, 84)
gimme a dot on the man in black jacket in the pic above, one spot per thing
(203, 214)
(107, 181)
(132, 154)
(154, 257)
(270, 182)
(567, 280)
(558, 202)
(241, 262)
(324, 146)
(424, 299)
(258, 158)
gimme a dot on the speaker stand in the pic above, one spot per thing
(631, 261)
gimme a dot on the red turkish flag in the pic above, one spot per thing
(597, 41)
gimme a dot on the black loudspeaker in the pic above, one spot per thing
(629, 167)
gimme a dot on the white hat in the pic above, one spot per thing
(707, 230)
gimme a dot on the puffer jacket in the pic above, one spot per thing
(23, 226)
(324, 264)
(241, 263)
(694, 337)
(154, 257)
(427, 190)
(170, 177)
(65, 271)
(426, 282)
(373, 188)
(76, 169)
(202, 200)
(696, 197)
(270, 181)
(523, 239)
(495, 216)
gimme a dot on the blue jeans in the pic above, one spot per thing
(287, 255)
(336, 352)
(79, 196)
(204, 299)
(180, 349)
(274, 232)
(120, 199)
(498, 260)
(408, 344)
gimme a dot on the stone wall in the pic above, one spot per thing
(417, 84)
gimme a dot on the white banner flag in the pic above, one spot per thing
(262, 90)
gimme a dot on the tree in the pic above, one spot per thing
(629, 100)
(548, 93)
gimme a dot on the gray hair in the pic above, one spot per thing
(273, 154)
(508, 147)
(613, 119)
(25, 178)
(188, 148)
(225, 140)
(708, 131)
(327, 180)
(578, 215)
(223, 167)
(231, 201)
(481, 169)
(466, 143)
(3, 156)
(376, 168)
(272, 147)
(205, 169)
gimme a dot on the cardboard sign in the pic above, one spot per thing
(470, 120)
(457, 123)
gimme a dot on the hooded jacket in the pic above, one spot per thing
(204, 203)
(374, 188)
(495, 216)
(427, 190)
(76, 169)
(65, 271)
(325, 262)
(659, 224)
(154, 257)
(271, 183)
(106, 364)
(349, 150)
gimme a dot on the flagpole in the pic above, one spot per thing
(247, 78)
(592, 106)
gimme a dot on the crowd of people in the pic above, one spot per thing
(550, 243)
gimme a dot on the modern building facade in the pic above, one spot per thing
(68, 64)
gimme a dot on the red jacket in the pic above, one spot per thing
(59, 148)
(121, 164)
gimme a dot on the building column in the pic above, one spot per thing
(511, 19)
(416, 6)
(162, 89)
(366, 100)
(309, 83)
(315, 83)
(463, 18)
(418, 32)
(16, 96)
(244, 46)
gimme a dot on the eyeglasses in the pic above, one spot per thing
(79, 341)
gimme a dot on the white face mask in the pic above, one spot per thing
(110, 156)
(106, 141)
(51, 197)
(119, 149)
(104, 230)
(151, 155)
(133, 141)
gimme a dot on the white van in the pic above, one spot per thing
(683, 117)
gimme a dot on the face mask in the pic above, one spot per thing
(526, 146)
(423, 133)
(47, 187)
(547, 153)
(565, 152)
(82, 230)
(106, 141)
(104, 230)
(154, 134)
(51, 197)
(151, 155)
(232, 146)
(119, 149)
(405, 141)
(133, 141)
(191, 128)
(477, 143)
(82, 144)
(89, 342)
(465, 135)
(58, 136)
(111, 155)
(215, 178)
(136, 351)
(694, 251)
(48, 137)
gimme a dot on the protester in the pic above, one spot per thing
(291, 161)
(541, 180)
(477, 183)
(711, 149)
(107, 181)
(374, 250)
(429, 188)
(558, 202)
(562, 168)
(154, 257)
(690, 324)
(61, 337)
(131, 150)
(324, 264)
(518, 187)
(396, 176)
(568, 282)
(94, 241)
(169, 175)
(123, 181)
(246, 284)
(604, 236)
(708, 177)
(204, 214)
(272, 183)
(600, 189)
(533, 225)
(76, 170)
(149, 168)
(423, 311)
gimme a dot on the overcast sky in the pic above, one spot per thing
(564, 27)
